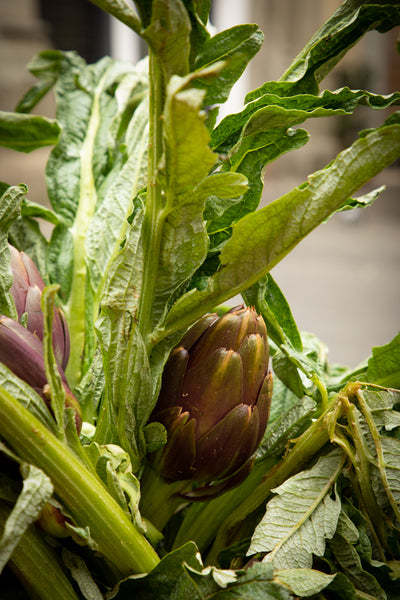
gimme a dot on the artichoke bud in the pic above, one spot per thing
(26, 290)
(22, 352)
(214, 401)
(53, 521)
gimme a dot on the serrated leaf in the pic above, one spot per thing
(304, 582)
(26, 133)
(301, 517)
(111, 219)
(94, 105)
(271, 111)
(37, 489)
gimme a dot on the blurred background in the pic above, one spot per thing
(342, 282)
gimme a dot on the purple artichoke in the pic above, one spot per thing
(214, 400)
(22, 352)
(27, 291)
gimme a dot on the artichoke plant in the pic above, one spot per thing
(214, 401)
(26, 290)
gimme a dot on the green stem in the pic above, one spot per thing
(361, 465)
(159, 499)
(306, 446)
(81, 491)
(37, 567)
(379, 451)
(203, 520)
(153, 219)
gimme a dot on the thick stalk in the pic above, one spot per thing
(153, 216)
(37, 567)
(81, 491)
(159, 499)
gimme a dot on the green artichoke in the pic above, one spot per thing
(214, 400)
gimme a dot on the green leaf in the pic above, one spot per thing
(57, 391)
(235, 46)
(255, 583)
(304, 582)
(384, 365)
(350, 564)
(260, 240)
(270, 302)
(10, 206)
(47, 67)
(122, 10)
(383, 405)
(111, 219)
(337, 35)
(32, 209)
(25, 234)
(166, 580)
(198, 13)
(301, 517)
(94, 104)
(271, 111)
(26, 133)
(188, 160)
(288, 426)
(27, 396)
(37, 489)
(128, 391)
(362, 201)
(168, 35)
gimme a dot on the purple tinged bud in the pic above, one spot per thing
(26, 290)
(214, 401)
(22, 352)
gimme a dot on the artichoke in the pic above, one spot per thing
(214, 401)
(22, 352)
(26, 290)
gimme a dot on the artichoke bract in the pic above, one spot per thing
(26, 290)
(214, 400)
(22, 352)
